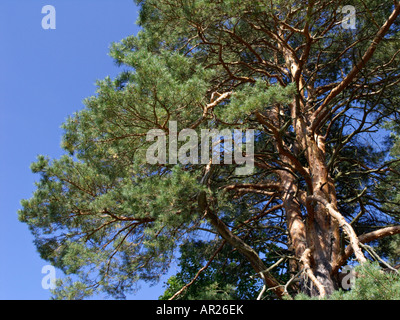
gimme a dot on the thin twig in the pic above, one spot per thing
(377, 257)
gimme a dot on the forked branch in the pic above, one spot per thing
(305, 260)
(347, 228)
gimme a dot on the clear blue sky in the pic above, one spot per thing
(44, 76)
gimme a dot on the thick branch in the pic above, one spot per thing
(305, 260)
(365, 238)
(347, 228)
(244, 249)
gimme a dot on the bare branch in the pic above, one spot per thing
(321, 112)
(365, 238)
(305, 259)
(347, 228)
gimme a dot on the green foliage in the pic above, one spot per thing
(390, 249)
(227, 277)
(67, 289)
(370, 283)
(217, 282)
(110, 233)
(255, 97)
(212, 291)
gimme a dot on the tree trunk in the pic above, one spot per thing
(322, 229)
(320, 232)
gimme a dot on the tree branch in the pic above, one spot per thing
(199, 272)
(305, 260)
(365, 238)
(347, 228)
(322, 111)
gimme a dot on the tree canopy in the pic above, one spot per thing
(323, 103)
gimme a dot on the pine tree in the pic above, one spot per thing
(317, 96)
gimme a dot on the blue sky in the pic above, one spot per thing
(44, 76)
